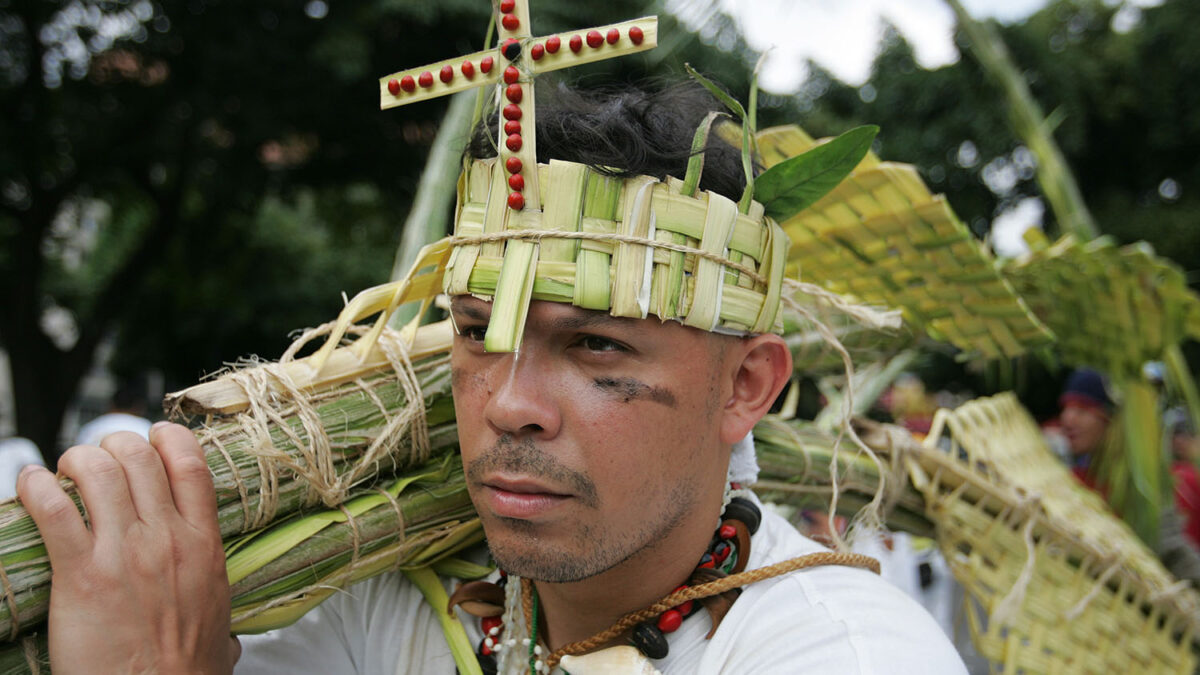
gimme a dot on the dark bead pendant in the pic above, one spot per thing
(511, 49)
(487, 663)
(743, 509)
(650, 641)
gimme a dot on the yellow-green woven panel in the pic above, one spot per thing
(1112, 307)
(1093, 599)
(883, 238)
(608, 257)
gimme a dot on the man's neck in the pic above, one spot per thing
(579, 610)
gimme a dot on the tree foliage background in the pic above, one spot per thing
(192, 180)
(196, 179)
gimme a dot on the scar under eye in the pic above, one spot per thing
(629, 389)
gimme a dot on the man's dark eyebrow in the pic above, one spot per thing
(586, 320)
(469, 310)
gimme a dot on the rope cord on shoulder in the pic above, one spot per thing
(694, 593)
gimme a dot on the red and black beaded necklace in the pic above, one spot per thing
(727, 553)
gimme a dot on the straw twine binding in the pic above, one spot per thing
(10, 599)
(273, 398)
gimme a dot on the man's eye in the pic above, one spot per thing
(596, 343)
(473, 333)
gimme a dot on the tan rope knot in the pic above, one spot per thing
(280, 414)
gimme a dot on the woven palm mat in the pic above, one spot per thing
(882, 237)
(1112, 307)
(1055, 582)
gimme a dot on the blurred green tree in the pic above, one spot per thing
(193, 179)
(1118, 85)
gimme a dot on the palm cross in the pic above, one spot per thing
(515, 62)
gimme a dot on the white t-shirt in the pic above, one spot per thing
(822, 620)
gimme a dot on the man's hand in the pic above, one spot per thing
(142, 587)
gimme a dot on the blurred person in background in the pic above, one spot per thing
(1085, 421)
(126, 412)
(1086, 413)
(15, 454)
(1181, 436)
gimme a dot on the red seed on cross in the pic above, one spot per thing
(425, 79)
(594, 39)
(552, 44)
(512, 112)
(636, 35)
(447, 74)
(513, 142)
(516, 182)
(612, 36)
(513, 164)
(513, 93)
(516, 202)
(507, 6)
(511, 74)
(393, 87)
(468, 69)
(512, 127)
(576, 43)
(408, 84)
(486, 64)
(537, 51)
(510, 22)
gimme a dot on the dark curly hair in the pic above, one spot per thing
(628, 131)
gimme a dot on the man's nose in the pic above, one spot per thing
(522, 398)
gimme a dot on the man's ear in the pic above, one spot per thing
(761, 367)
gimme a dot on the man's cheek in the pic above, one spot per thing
(467, 383)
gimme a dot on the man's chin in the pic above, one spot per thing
(534, 560)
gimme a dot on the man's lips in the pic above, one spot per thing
(520, 498)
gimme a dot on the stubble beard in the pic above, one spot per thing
(595, 546)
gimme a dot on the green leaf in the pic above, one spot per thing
(747, 131)
(794, 184)
(720, 94)
(695, 166)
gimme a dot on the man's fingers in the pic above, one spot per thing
(101, 483)
(54, 512)
(144, 472)
(191, 482)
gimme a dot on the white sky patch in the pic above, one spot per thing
(1010, 226)
(843, 35)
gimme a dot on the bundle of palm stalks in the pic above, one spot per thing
(313, 470)
(803, 466)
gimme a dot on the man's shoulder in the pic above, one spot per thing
(838, 589)
(832, 618)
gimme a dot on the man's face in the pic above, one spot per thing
(1084, 427)
(594, 444)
